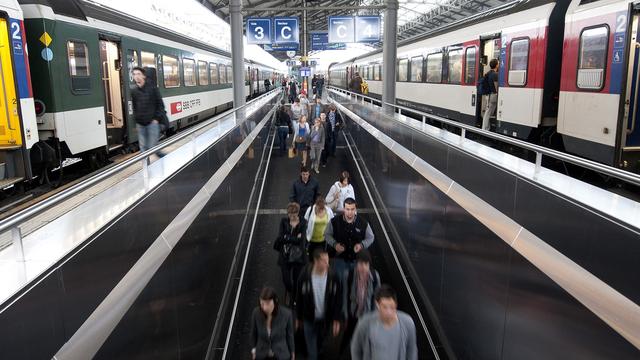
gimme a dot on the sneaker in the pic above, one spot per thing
(317, 171)
(324, 165)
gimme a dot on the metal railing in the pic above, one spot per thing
(14, 221)
(539, 151)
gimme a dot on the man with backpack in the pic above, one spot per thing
(489, 87)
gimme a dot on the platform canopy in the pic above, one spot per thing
(414, 16)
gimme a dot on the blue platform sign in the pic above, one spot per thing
(319, 41)
(286, 30)
(341, 29)
(259, 31)
(367, 28)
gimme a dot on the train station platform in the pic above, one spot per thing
(488, 257)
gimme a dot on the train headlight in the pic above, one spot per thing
(39, 107)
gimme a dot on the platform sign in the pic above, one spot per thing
(368, 28)
(280, 47)
(286, 30)
(259, 31)
(305, 71)
(341, 29)
(319, 41)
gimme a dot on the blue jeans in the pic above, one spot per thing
(314, 337)
(148, 135)
(283, 132)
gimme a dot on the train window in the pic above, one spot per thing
(229, 74)
(132, 59)
(189, 72)
(148, 59)
(455, 66)
(203, 74)
(213, 73)
(223, 73)
(379, 72)
(171, 70)
(518, 62)
(376, 75)
(470, 65)
(593, 57)
(403, 69)
(416, 68)
(78, 55)
(434, 68)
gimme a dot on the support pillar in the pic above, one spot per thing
(305, 53)
(389, 53)
(237, 52)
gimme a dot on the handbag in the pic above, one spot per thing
(292, 153)
(336, 199)
(293, 254)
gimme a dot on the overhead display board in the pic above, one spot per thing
(286, 30)
(368, 28)
(349, 29)
(258, 31)
(341, 29)
(320, 41)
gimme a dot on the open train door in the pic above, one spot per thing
(629, 156)
(110, 72)
(489, 49)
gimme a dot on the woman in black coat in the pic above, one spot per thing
(291, 243)
(271, 329)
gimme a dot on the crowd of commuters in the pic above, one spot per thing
(337, 299)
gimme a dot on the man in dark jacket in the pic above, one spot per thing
(348, 234)
(356, 84)
(333, 126)
(284, 126)
(318, 302)
(304, 190)
(148, 109)
(319, 86)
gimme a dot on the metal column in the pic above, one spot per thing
(389, 53)
(237, 52)
(305, 54)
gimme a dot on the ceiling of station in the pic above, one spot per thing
(414, 16)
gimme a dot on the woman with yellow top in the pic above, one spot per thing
(317, 216)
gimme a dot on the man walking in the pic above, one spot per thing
(304, 190)
(385, 334)
(348, 235)
(148, 109)
(318, 302)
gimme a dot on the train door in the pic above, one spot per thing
(248, 79)
(11, 170)
(489, 49)
(630, 134)
(10, 129)
(110, 66)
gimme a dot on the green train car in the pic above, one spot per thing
(81, 55)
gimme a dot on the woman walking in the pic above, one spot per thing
(301, 137)
(317, 216)
(271, 329)
(291, 244)
(340, 191)
(316, 144)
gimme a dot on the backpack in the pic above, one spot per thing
(364, 87)
(483, 85)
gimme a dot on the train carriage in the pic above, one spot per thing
(599, 105)
(82, 55)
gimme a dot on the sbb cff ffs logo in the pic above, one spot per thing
(176, 107)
